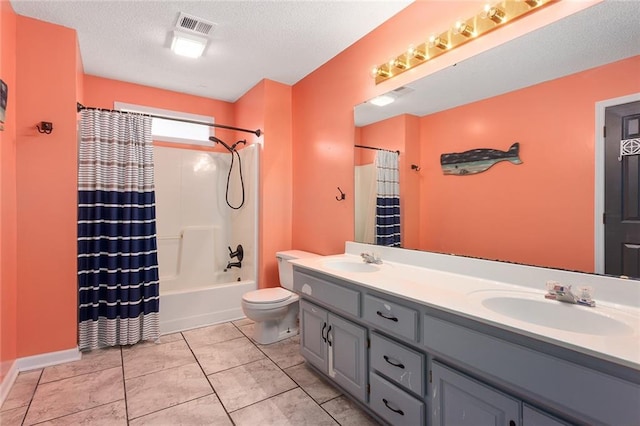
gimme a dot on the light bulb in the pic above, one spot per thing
(436, 41)
(413, 52)
(461, 27)
(493, 13)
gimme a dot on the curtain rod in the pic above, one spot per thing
(377, 149)
(258, 132)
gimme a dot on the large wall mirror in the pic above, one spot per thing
(539, 90)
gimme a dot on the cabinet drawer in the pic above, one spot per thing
(391, 316)
(334, 295)
(397, 362)
(393, 404)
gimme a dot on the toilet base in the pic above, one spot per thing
(271, 331)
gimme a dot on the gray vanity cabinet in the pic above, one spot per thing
(458, 400)
(336, 347)
(533, 417)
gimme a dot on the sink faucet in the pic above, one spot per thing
(563, 293)
(371, 258)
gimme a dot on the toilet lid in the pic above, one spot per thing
(267, 295)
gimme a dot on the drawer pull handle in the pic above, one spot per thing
(322, 332)
(393, 362)
(380, 314)
(386, 403)
(329, 331)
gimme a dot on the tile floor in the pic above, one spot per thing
(213, 375)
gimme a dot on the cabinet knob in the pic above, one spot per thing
(393, 362)
(512, 423)
(388, 317)
(398, 411)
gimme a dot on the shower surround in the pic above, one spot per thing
(196, 227)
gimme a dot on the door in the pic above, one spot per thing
(313, 332)
(460, 401)
(347, 353)
(534, 417)
(622, 192)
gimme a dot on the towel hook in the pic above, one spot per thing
(342, 195)
(47, 127)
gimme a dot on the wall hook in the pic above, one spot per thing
(415, 167)
(47, 127)
(342, 195)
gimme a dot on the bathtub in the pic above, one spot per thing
(191, 308)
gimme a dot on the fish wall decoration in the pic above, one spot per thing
(477, 160)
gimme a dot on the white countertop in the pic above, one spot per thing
(463, 295)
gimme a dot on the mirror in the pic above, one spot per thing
(539, 90)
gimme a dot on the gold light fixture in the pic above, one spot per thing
(462, 31)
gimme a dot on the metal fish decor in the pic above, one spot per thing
(477, 160)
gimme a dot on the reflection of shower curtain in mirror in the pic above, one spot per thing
(388, 199)
(365, 203)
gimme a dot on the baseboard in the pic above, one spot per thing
(8, 381)
(48, 359)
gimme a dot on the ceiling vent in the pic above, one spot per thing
(401, 91)
(194, 24)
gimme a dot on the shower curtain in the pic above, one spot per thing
(117, 248)
(388, 199)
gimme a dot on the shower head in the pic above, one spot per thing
(216, 140)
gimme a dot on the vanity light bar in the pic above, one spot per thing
(462, 31)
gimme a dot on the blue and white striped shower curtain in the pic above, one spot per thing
(117, 248)
(388, 199)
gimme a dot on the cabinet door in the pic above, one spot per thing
(534, 417)
(347, 349)
(459, 400)
(313, 331)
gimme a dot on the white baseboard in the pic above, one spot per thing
(8, 381)
(46, 360)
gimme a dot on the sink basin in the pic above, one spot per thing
(558, 315)
(350, 266)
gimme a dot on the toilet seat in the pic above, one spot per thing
(267, 295)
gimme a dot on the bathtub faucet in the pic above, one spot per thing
(234, 265)
(239, 253)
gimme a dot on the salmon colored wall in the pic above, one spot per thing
(268, 106)
(400, 133)
(323, 109)
(539, 212)
(8, 203)
(46, 187)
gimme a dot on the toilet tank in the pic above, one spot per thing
(285, 268)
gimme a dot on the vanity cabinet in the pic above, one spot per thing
(335, 346)
(425, 366)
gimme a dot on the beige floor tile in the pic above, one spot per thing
(13, 417)
(149, 359)
(293, 408)
(285, 353)
(92, 361)
(68, 396)
(113, 414)
(165, 388)
(212, 334)
(22, 390)
(348, 413)
(202, 411)
(249, 383)
(165, 338)
(247, 329)
(227, 354)
(241, 322)
(312, 383)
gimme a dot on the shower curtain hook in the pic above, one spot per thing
(342, 195)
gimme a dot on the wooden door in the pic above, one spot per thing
(460, 401)
(313, 332)
(347, 355)
(622, 191)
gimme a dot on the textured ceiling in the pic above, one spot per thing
(604, 33)
(278, 40)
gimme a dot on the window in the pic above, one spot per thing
(171, 130)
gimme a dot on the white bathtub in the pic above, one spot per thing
(186, 309)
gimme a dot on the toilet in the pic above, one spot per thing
(275, 310)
